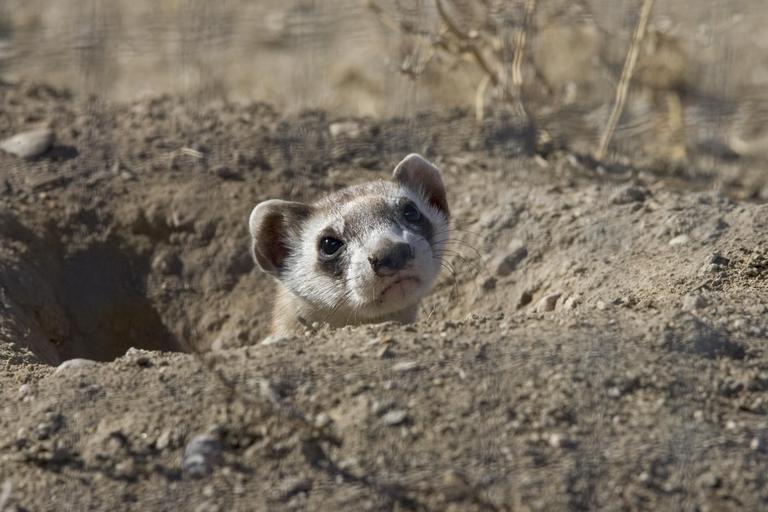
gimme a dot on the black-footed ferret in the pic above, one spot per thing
(363, 254)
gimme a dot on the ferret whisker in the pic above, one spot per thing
(450, 238)
(467, 231)
(454, 254)
(459, 252)
(454, 289)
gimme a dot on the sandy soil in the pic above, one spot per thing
(600, 343)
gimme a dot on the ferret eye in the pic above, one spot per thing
(330, 246)
(411, 213)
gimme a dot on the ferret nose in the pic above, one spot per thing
(391, 257)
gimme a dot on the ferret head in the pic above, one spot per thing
(361, 253)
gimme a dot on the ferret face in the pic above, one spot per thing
(363, 252)
(368, 252)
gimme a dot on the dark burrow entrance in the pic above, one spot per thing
(89, 301)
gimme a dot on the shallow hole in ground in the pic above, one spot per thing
(87, 301)
(102, 294)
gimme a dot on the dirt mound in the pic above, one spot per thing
(598, 341)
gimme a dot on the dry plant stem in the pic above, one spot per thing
(626, 78)
(480, 98)
(520, 40)
(469, 45)
(494, 73)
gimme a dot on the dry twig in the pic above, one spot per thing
(626, 78)
(520, 40)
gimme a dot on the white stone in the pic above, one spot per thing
(28, 144)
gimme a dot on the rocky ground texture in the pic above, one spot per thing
(599, 341)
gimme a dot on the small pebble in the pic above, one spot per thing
(293, 486)
(630, 194)
(559, 441)
(140, 357)
(28, 144)
(547, 303)
(52, 424)
(164, 440)
(273, 339)
(571, 303)
(710, 268)
(207, 506)
(719, 259)
(709, 480)
(201, 454)
(394, 418)
(24, 390)
(679, 240)
(348, 129)
(74, 364)
(405, 366)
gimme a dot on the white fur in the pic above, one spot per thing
(357, 295)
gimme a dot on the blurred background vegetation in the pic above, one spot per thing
(698, 97)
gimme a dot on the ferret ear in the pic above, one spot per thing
(271, 224)
(418, 174)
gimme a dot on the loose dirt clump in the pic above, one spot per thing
(596, 342)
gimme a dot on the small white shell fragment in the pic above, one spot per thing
(28, 144)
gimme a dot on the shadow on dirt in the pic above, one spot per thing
(87, 301)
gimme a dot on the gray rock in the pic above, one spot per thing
(25, 390)
(711, 268)
(630, 194)
(207, 506)
(718, 259)
(557, 440)
(5, 493)
(164, 440)
(274, 339)
(547, 303)
(394, 418)
(52, 423)
(679, 240)
(74, 364)
(28, 144)
(294, 485)
(571, 303)
(201, 455)
(709, 480)
(380, 407)
(405, 366)
(347, 129)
